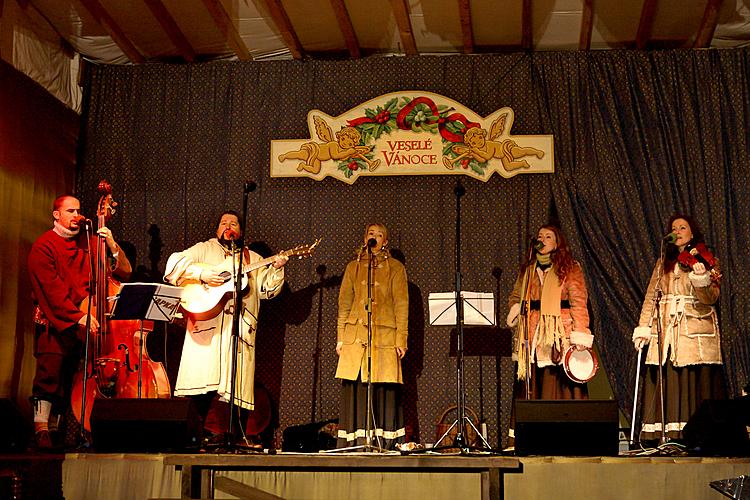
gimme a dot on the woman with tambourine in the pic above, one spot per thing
(685, 285)
(548, 308)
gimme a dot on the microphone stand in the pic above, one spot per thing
(85, 373)
(525, 314)
(236, 319)
(370, 411)
(659, 343)
(460, 441)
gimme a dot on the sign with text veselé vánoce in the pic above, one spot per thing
(411, 133)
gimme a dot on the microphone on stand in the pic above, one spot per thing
(82, 221)
(670, 238)
(371, 243)
(536, 244)
(250, 186)
(230, 234)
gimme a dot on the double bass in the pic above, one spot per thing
(116, 364)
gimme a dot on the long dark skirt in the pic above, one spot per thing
(386, 430)
(549, 382)
(684, 390)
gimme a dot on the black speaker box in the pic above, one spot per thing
(577, 427)
(719, 427)
(145, 425)
(308, 438)
(15, 430)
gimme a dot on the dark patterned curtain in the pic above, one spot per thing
(638, 136)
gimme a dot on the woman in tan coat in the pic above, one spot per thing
(689, 327)
(553, 285)
(390, 317)
(558, 317)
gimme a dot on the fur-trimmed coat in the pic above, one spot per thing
(689, 325)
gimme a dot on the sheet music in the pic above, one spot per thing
(479, 308)
(151, 301)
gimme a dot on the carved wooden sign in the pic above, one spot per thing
(411, 133)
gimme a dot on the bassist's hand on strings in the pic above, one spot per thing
(106, 233)
(94, 325)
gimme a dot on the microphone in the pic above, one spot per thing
(371, 243)
(670, 238)
(230, 234)
(536, 244)
(81, 220)
(250, 186)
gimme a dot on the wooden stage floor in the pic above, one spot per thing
(364, 476)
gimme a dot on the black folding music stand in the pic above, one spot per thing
(445, 310)
(146, 301)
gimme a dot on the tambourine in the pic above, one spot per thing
(580, 366)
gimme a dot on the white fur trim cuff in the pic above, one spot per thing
(700, 280)
(512, 319)
(642, 332)
(582, 338)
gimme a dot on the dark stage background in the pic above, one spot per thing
(637, 136)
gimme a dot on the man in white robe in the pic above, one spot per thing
(206, 363)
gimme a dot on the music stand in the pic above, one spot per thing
(444, 311)
(481, 310)
(146, 301)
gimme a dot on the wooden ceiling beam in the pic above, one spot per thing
(346, 27)
(284, 25)
(175, 34)
(467, 30)
(401, 13)
(227, 28)
(527, 32)
(708, 24)
(587, 25)
(113, 30)
(646, 24)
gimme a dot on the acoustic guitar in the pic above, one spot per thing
(202, 301)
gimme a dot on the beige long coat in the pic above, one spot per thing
(689, 325)
(206, 363)
(390, 318)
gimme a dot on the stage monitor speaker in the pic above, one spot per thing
(570, 427)
(309, 438)
(15, 430)
(719, 427)
(131, 425)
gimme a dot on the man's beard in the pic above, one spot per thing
(228, 243)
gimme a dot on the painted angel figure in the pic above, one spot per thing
(483, 150)
(344, 147)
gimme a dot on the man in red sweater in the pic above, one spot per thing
(60, 271)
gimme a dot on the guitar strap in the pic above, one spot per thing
(245, 257)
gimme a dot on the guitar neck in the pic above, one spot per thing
(257, 265)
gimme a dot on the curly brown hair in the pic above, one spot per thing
(562, 259)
